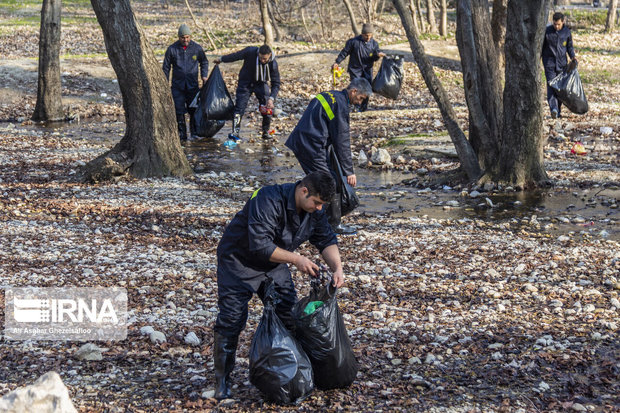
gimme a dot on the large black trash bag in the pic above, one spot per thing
(348, 198)
(569, 90)
(279, 368)
(206, 128)
(215, 101)
(321, 331)
(389, 78)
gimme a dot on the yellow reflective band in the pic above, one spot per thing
(254, 194)
(328, 110)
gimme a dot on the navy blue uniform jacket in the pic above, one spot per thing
(268, 220)
(315, 132)
(253, 71)
(184, 64)
(555, 47)
(362, 55)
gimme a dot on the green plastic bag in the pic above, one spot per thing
(312, 307)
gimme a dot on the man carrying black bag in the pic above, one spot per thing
(256, 246)
(325, 123)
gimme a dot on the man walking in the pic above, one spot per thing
(326, 122)
(184, 57)
(363, 52)
(256, 247)
(557, 43)
(259, 70)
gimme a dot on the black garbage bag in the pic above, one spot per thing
(348, 198)
(279, 368)
(321, 331)
(569, 90)
(389, 77)
(215, 102)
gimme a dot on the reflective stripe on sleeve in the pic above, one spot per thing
(328, 110)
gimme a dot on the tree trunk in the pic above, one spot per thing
(430, 16)
(611, 16)
(498, 26)
(482, 79)
(264, 14)
(443, 25)
(521, 158)
(414, 17)
(421, 16)
(49, 90)
(274, 23)
(151, 144)
(354, 25)
(466, 154)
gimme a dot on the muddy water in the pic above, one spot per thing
(579, 211)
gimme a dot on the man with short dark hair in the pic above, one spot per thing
(259, 69)
(558, 42)
(363, 52)
(184, 57)
(256, 247)
(325, 122)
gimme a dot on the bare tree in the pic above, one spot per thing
(274, 23)
(418, 8)
(430, 16)
(49, 90)
(369, 8)
(267, 29)
(466, 154)
(354, 25)
(443, 22)
(150, 146)
(205, 30)
(610, 23)
(414, 17)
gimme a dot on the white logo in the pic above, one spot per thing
(58, 311)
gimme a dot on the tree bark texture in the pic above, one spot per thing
(498, 26)
(49, 90)
(264, 15)
(414, 17)
(421, 16)
(443, 22)
(430, 16)
(465, 152)
(610, 23)
(482, 79)
(354, 25)
(150, 146)
(521, 158)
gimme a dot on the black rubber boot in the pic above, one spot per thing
(334, 216)
(224, 350)
(192, 123)
(266, 126)
(182, 127)
(236, 128)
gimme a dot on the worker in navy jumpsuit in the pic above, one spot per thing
(259, 70)
(256, 247)
(558, 42)
(363, 52)
(184, 57)
(325, 122)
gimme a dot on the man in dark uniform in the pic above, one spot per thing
(557, 43)
(259, 69)
(256, 246)
(184, 57)
(326, 122)
(363, 52)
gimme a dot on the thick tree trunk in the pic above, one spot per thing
(611, 16)
(49, 91)
(151, 144)
(521, 158)
(354, 25)
(264, 14)
(482, 79)
(430, 16)
(498, 26)
(466, 154)
(443, 25)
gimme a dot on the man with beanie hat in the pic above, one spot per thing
(259, 70)
(184, 57)
(363, 52)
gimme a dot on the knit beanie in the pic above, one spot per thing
(367, 28)
(184, 30)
